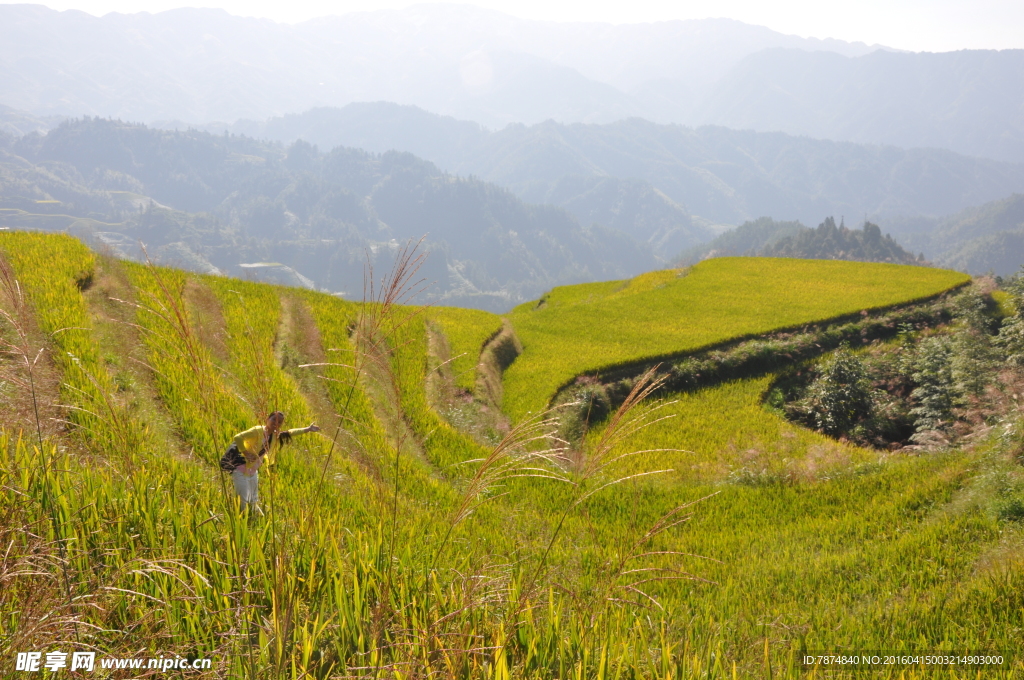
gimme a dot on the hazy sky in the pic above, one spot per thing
(930, 25)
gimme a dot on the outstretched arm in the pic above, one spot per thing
(287, 435)
(304, 430)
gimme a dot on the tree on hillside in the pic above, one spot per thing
(1011, 334)
(831, 242)
(841, 396)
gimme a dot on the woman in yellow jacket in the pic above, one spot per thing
(245, 455)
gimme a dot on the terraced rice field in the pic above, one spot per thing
(384, 551)
(466, 330)
(590, 327)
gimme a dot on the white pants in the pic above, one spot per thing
(245, 485)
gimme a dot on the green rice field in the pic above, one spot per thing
(590, 327)
(699, 536)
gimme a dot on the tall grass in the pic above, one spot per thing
(51, 271)
(526, 565)
(18, 344)
(206, 411)
(833, 547)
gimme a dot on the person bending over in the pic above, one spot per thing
(245, 455)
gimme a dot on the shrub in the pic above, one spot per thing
(841, 396)
(1011, 509)
(1011, 335)
(935, 392)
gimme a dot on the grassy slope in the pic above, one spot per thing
(820, 544)
(811, 544)
(467, 330)
(837, 547)
(588, 327)
(443, 445)
(137, 518)
(725, 433)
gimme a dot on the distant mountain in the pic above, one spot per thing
(725, 176)
(18, 123)
(1001, 253)
(748, 239)
(767, 238)
(632, 206)
(218, 202)
(968, 101)
(201, 65)
(831, 242)
(666, 185)
(977, 240)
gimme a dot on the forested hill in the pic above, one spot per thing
(831, 242)
(722, 175)
(988, 237)
(217, 201)
(769, 238)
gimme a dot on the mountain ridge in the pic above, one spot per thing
(216, 201)
(726, 176)
(904, 99)
(207, 65)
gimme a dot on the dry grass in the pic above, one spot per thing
(474, 414)
(208, 319)
(110, 302)
(297, 344)
(29, 381)
(32, 587)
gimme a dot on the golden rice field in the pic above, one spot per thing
(725, 433)
(466, 330)
(590, 327)
(392, 545)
